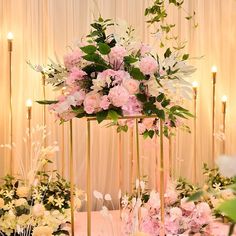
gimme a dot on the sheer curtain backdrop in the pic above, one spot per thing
(44, 28)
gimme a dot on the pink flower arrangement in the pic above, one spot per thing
(181, 217)
(106, 78)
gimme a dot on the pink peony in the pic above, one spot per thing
(118, 96)
(79, 97)
(131, 85)
(105, 103)
(73, 58)
(76, 74)
(175, 213)
(120, 76)
(148, 65)
(151, 226)
(117, 55)
(92, 102)
(187, 206)
(132, 107)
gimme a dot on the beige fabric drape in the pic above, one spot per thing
(43, 28)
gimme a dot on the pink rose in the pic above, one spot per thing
(76, 74)
(187, 206)
(92, 102)
(132, 107)
(105, 103)
(118, 96)
(175, 213)
(131, 85)
(73, 58)
(148, 65)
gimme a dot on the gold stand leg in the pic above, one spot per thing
(119, 168)
(170, 156)
(44, 107)
(137, 149)
(88, 181)
(131, 143)
(162, 190)
(156, 162)
(63, 152)
(72, 181)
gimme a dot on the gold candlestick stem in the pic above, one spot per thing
(137, 151)
(72, 180)
(162, 179)
(156, 163)
(224, 99)
(195, 135)
(213, 113)
(88, 180)
(170, 155)
(44, 107)
(119, 168)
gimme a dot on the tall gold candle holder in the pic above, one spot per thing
(10, 48)
(214, 71)
(62, 144)
(170, 154)
(195, 87)
(72, 205)
(44, 107)
(224, 101)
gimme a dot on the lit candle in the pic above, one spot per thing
(214, 71)
(29, 104)
(224, 100)
(9, 39)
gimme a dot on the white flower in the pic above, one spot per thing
(38, 210)
(42, 231)
(97, 195)
(227, 165)
(108, 197)
(125, 201)
(59, 202)
(22, 191)
(1, 203)
(9, 194)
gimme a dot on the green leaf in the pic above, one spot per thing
(113, 115)
(137, 74)
(141, 97)
(167, 53)
(185, 57)
(151, 133)
(101, 116)
(47, 102)
(195, 196)
(160, 114)
(160, 97)
(92, 57)
(130, 59)
(165, 103)
(90, 49)
(228, 208)
(104, 49)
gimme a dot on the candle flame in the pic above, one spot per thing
(29, 103)
(10, 36)
(224, 98)
(195, 84)
(213, 69)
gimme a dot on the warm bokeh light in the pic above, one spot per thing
(29, 103)
(10, 36)
(213, 69)
(224, 98)
(195, 84)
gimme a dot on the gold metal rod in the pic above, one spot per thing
(63, 151)
(195, 139)
(88, 180)
(156, 162)
(131, 144)
(137, 152)
(162, 179)
(120, 167)
(213, 122)
(170, 155)
(72, 180)
(10, 107)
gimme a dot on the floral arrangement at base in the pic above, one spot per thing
(181, 216)
(38, 202)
